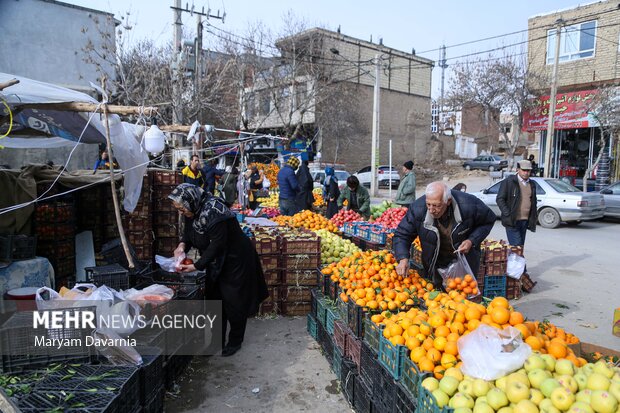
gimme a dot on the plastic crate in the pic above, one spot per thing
(513, 288)
(301, 246)
(527, 284)
(403, 403)
(316, 295)
(267, 246)
(369, 364)
(327, 344)
(92, 402)
(165, 177)
(311, 326)
(495, 286)
(299, 277)
(273, 277)
(114, 253)
(355, 318)
(337, 363)
(426, 402)
(321, 311)
(391, 356)
(379, 235)
(156, 403)
(362, 397)
(373, 246)
(354, 348)
(300, 309)
(496, 267)
(348, 373)
(330, 319)
(270, 262)
(498, 253)
(21, 247)
(296, 294)
(113, 276)
(342, 308)
(410, 378)
(331, 289)
(372, 333)
(340, 335)
(301, 261)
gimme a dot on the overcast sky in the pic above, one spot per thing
(423, 25)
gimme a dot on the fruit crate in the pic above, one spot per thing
(368, 363)
(316, 296)
(138, 223)
(267, 246)
(372, 333)
(384, 391)
(379, 235)
(426, 402)
(373, 246)
(527, 284)
(495, 286)
(340, 335)
(300, 309)
(166, 231)
(164, 246)
(270, 262)
(162, 191)
(330, 319)
(362, 396)
(403, 403)
(150, 337)
(17, 247)
(295, 294)
(416, 256)
(350, 228)
(113, 276)
(61, 400)
(301, 246)
(327, 344)
(165, 218)
(63, 267)
(332, 289)
(114, 253)
(54, 212)
(311, 326)
(348, 373)
(299, 277)
(391, 356)
(165, 177)
(273, 277)
(513, 288)
(337, 363)
(52, 232)
(410, 378)
(342, 308)
(321, 310)
(496, 268)
(300, 261)
(354, 348)
(156, 403)
(516, 249)
(355, 318)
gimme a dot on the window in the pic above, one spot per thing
(494, 189)
(615, 189)
(366, 169)
(539, 190)
(561, 186)
(576, 42)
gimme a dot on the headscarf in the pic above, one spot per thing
(208, 210)
(329, 176)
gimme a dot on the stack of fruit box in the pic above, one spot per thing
(55, 228)
(138, 225)
(91, 214)
(300, 258)
(494, 266)
(269, 252)
(166, 219)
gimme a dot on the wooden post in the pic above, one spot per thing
(91, 107)
(117, 208)
(11, 82)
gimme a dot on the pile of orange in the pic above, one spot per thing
(283, 220)
(466, 285)
(318, 198)
(417, 245)
(271, 171)
(431, 335)
(369, 279)
(313, 221)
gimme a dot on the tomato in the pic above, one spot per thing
(187, 261)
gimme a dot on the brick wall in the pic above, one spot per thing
(476, 124)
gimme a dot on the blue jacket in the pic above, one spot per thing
(474, 221)
(287, 181)
(209, 173)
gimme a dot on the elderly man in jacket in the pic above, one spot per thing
(289, 187)
(446, 221)
(406, 189)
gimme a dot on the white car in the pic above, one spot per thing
(318, 176)
(384, 173)
(558, 202)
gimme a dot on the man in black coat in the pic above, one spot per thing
(516, 200)
(446, 221)
(210, 172)
(304, 198)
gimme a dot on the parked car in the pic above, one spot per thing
(611, 194)
(487, 163)
(558, 202)
(318, 176)
(384, 173)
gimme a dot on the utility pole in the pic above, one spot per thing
(552, 99)
(375, 128)
(443, 66)
(198, 72)
(177, 80)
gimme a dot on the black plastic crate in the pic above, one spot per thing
(348, 373)
(403, 403)
(316, 295)
(336, 364)
(114, 253)
(383, 389)
(17, 247)
(150, 337)
(368, 363)
(151, 373)
(61, 400)
(362, 400)
(113, 276)
(156, 403)
(356, 318)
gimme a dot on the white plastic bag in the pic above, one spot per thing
(169, 264)
(459, 276)
(47, 299)
(266, 183)
(148, 295)
(489, 353)
(516, 266)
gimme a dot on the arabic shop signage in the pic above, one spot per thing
(571, 112)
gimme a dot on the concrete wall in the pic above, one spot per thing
(601, 67)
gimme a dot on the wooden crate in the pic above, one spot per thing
(294, 294)
(300, 277)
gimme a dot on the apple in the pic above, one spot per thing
(481, 387)
(517, 391)
(582, 380)
(430, 383)
(525, 406)
(548, 385)
(483, 408)
(587, 369)
(584, 395)
(580, 407)
(482, 399)
(534, 362)
(598, 381)
(565, 366)
(616, 377)
(562, 398)
(537, 376)
(549, 361)
(501, 383)
(467, 387)
(441, 398)
(614, 389)
(603, 402)
(454, 372)
(546, 406)
(520, 377)
(461, 400)
(449, 385)
(463, 410)
(536, 396)
(569, 382)
(497, 399)
(507, 409)
(603, 368)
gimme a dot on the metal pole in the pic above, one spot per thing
(443, 65)
(375, 128)
(552, 100)
(177, 21)
(390, 196)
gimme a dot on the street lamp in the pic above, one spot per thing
(376, 108)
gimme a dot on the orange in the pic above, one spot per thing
(473, 324)
(438, 372)
(472, 313)
(500, 302)
(457, 327)
(448, 360)
(376, 318)
(453, 337)
(428, 343)
(500, 315)
(412, 343)
(534, 342)
(451, 348)
(557, 350)
(516, 318)
(426, 365)
(442, 331)
(417, 354)
(434, 355)
(525, 332)
(397, 340)
(440, 343)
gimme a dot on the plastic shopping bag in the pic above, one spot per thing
(169, 264)
(154, 295)
(458, 276)
(489, 353)
(516, 266)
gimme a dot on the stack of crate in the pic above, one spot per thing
(300, 259)
(110, 227)
(268, 247)
(492, 272)
(138, 225)
(91, 216)
(166, 219)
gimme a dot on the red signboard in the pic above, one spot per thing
(571, 112)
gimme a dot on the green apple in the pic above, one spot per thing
(582, 380)
(580, 407)
(614, 389)
(564, 366)
(603, 368)
(441, 397)
(454, 372)
(517, 391)
(467, 387)
(481, 387)
(569, 382)
(482, 399)
(616, 377)
(461, 400)
(598, 381)
(548, 385)
(584, 395)
(520, 377)
(525, 406)
(537, 376)
(562, 398)
(497, 399)
(507, 409)
(603, 402)
(483, 408)
(463, 410)
(430, 383)
(536, 396)
(587, 369)
(546, 406)
(534, 362)
(549, 361)
(501, 383)
(449, 385)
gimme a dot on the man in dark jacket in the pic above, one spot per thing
(210, 172)
(446, 221)
(305, 199)
(289, 188)
(516, 200)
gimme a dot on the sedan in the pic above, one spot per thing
(487, 163)
(612, 200)
(385, 176)
(318, 176)
(557, 202)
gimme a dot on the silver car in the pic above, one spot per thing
(612, 200)
(557, 202)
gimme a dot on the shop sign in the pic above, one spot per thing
(571, 112)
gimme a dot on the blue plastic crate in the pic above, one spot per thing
(337, 363)
(372, 332)
(342, 309)
(391, 357)
(321, 311)
(332, 316)
(495, 286)
(410, 378)
(311, 325)
(427, 403)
